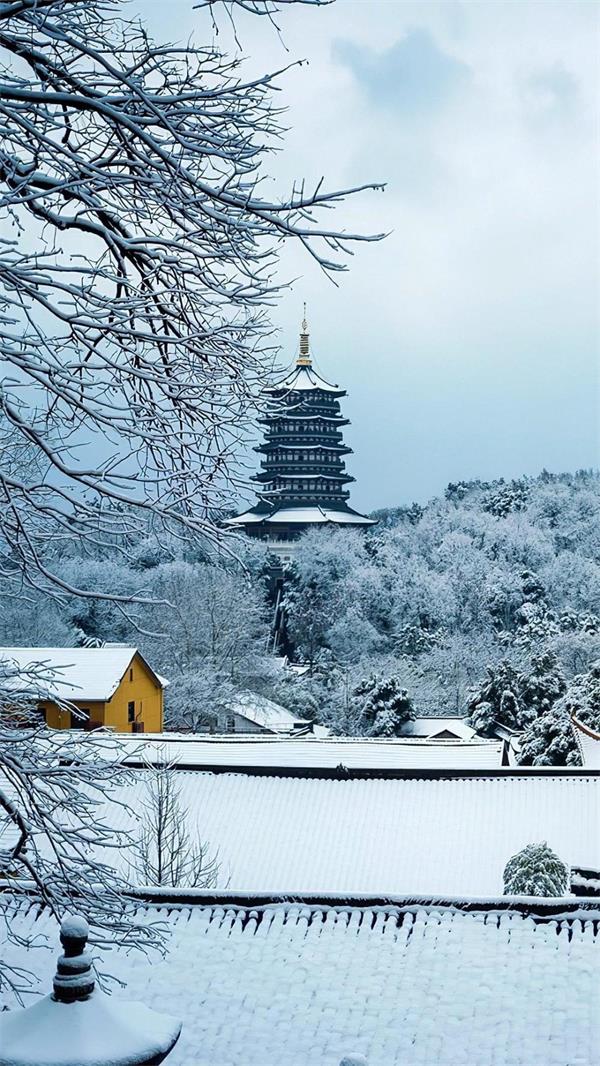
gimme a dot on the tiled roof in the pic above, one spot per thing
(313, 753)
(302, 515)
(449, 836)
(588, 742)
(424, 726)
(289, 985)
(74, 673)
(304, 379)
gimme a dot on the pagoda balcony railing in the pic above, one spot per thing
(304, 494)
(308, 437)
(290, 473)
(303, 469)
(314, 473)
(327, 500)
(295, 418)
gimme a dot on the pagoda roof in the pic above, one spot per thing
(270, 445)
(271, 475)
(304, 378)
(287, 413)
(302, 516)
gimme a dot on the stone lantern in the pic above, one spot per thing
(78, 1025)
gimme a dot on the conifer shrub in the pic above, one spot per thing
(535, 871)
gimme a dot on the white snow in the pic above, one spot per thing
(431, 727)
(381, 837)
(295, 985)
(302, 515)
(74, 925)
(304, 379)
(75, 673)
(99, 1031)
(315, 753)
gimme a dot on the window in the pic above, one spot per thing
(131, 711)
(230, 723)
(131, 673)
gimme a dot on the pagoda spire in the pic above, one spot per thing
(304, 356)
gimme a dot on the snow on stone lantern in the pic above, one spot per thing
(79, 1025)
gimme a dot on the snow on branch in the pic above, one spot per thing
(136, 272)
(54, 793)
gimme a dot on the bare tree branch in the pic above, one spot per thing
(133, 297)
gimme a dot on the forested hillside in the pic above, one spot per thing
(485, 602)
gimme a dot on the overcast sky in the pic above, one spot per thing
(469, 339)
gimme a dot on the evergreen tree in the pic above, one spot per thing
(549, 739)
(497, 699)
(535, 871)
(541, 685)
(384, 706)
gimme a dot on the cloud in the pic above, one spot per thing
(469, 339)
(414, 76)
(550, 93)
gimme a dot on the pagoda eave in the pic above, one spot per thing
(337, 449)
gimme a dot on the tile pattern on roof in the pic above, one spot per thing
(295, 986)
(329, 753)
(380, 837)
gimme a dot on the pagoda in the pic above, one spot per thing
(303, 481)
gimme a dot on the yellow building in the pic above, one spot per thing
(112, 686)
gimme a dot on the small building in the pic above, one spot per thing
(251, 713)
(111, 686)
(431, 728)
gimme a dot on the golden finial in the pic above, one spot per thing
(304, 356)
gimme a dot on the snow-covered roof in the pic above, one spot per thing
(301, 516)
(431, 728)
(356, 836)
(74, 673)
(304, 378)
(312, 753)
(296, 985)
(265, 713)
(588, 742)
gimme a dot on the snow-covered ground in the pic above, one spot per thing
(296, 986)
(420, 836)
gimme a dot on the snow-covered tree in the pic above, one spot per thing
(497, 699)
(134, 285)
(54, 793)
(504, 499)
(198, 701)
(383, 706)
(536, 871)
(135, 282)
(217, 618)
(541, 684)
(549, 740)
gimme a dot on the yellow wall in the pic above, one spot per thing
(58, 718)
(140, 688)
(148, 697)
